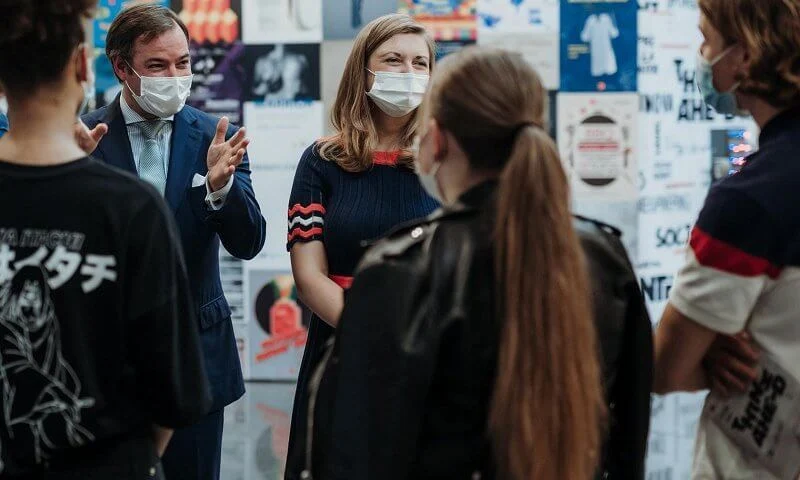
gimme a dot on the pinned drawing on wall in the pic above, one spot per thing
(219, 80)
(282, 73)
(279, 329)
(529, 27)
(343, 19)
(446, 20)
(598, 46)
(289, 21)
(285, 130)
(597, 138)
(211, 21)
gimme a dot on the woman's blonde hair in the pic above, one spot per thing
(356, 137)
(548, 406)
(769, 31)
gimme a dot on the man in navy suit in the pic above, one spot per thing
(202, 168)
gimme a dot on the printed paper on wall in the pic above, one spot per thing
(598, 46)
(445, 19)
(281, 132)
(277, 335)
(281, 72)
(219, 79)
(343, 19)
(281, 21)
(529, 27)
(211, 21)
(597, 140)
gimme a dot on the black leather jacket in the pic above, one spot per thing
(405, 389)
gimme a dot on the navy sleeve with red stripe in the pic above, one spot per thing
(735, 234)
(731, 260)
(306, 216)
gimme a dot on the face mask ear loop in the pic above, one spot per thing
(135, 73)
(721, 55)
(717, 60)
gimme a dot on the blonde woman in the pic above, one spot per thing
(356, 185)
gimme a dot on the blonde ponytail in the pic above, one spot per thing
(547, 404)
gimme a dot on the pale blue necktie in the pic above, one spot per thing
(151, 159)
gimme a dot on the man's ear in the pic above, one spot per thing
(121, 69)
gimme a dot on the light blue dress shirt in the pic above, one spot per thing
(215, 200)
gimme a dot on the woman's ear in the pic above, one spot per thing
(743, 61)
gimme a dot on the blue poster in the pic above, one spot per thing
(598, 45)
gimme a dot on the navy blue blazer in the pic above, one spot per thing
(239, 225)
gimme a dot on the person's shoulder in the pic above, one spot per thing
(451, 228)
(312, 158)
(94, 117)
(206, 122)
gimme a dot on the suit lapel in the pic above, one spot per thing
(186, 140)
(115, 148)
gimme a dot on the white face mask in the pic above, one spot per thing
(427, 180)
(162, 96)
(429, 183)
(398, 94)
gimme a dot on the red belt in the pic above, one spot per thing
(342, 281)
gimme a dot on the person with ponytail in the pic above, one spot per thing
(466, 348)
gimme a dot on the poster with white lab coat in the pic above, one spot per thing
(598, 46)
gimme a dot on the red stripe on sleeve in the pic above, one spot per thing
(720, 255)
(342, 281)
(305, 210)
(298, 233)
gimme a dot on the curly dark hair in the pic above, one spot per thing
(37, 39)
(769, 31)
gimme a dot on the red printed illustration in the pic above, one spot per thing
(282, 317)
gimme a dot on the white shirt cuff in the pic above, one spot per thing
(216, 200)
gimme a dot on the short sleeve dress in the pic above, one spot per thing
(343, 210)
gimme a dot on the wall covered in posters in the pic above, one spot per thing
(640, 146)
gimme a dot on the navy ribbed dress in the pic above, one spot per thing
(342, 210)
